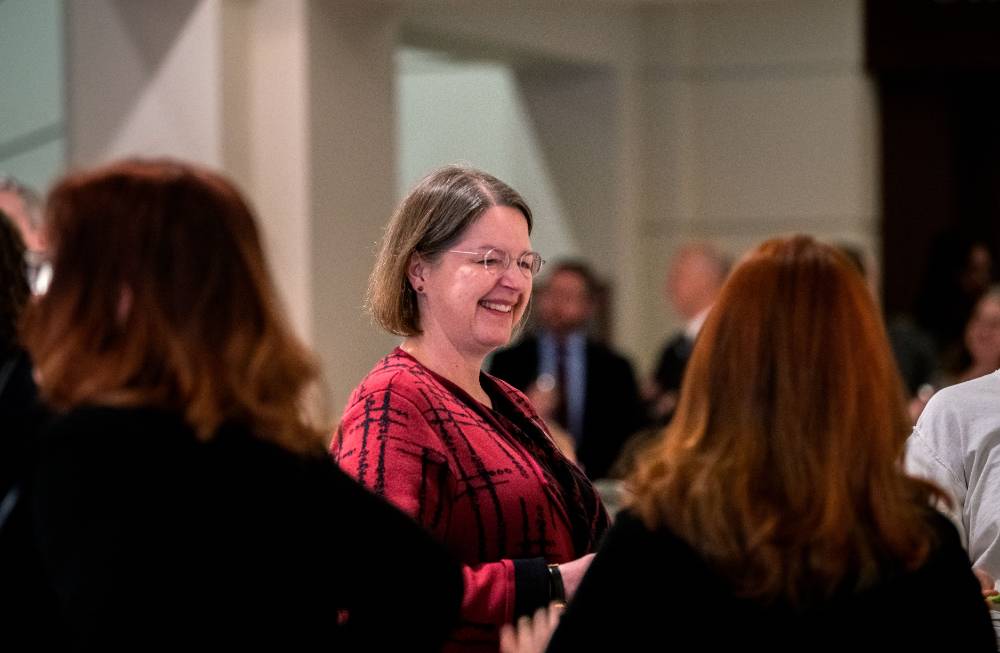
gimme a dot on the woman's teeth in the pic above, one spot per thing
(503, 308)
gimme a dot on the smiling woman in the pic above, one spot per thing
(462, 452)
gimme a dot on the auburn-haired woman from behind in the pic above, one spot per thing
(182, 499)
(774, 514)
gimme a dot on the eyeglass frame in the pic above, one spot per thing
(528, 273)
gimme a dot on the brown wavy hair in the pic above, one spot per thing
(160, 296)
(782, 463)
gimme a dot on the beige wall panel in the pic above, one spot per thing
(143, 80)
(352, 176)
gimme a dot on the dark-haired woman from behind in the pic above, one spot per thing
(773, 514)
(21, 599)
(182, 500)
(17, 390)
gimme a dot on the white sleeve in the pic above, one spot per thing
(923, 460)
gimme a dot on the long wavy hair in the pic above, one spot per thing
(782, 463)
(160, 296)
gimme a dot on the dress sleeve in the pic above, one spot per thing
(934, 451)
(391, 447)
(956, 444)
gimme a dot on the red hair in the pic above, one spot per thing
(160, 296)
(782, 463)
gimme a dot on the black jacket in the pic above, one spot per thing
(651, 591)
(19, 416)
(153, 539)
(612, 409)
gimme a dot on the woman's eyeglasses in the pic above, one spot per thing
(497, 261)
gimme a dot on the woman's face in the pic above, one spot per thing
(463, 305)
(982, 336)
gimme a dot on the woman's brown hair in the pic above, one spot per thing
(429, 219)
(160, 296)
(782, 463)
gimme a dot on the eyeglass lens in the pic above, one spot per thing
(529, 263)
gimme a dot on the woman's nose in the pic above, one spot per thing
(512, 277)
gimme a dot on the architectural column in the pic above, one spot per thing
(352, 173)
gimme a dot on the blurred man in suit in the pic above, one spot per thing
(595, 398)
(696, 274)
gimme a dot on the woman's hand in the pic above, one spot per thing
(531, 634)
(986, 584)
(572, 573)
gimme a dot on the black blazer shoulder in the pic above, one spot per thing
(517, 364)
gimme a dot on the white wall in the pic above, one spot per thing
(32, 129)
(144, 80)
(473, 112)
(351, 132)
(572, 112)
(761, 121)
(293, 99)
(265, 134)
(630, 126)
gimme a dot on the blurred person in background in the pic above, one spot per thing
(595, 395)
(17, 389)
(912, 349)
(775, 504)
(182, 499)
(25, 604)
(981, 353)
(696, 274)
(959, 270)
(24, 208)
(460, 451)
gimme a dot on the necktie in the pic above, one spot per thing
(561, 412)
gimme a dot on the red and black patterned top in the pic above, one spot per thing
(489, 483)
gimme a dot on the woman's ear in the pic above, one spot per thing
(415, 271)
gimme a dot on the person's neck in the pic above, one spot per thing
(977, 370)
(443, 359)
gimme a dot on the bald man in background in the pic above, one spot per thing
(694, 279)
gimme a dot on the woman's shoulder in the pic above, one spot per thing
(959, 420)
(517, 397)
(977, 396)
(94, 424)
(103, 438)
(634, 536)
(399, 376)
(945, 536)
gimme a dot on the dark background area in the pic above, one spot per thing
(936, 64)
